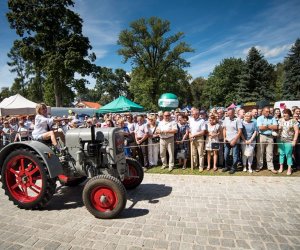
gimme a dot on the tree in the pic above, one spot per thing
(197, 91)
(18, 66)
(257, 80)
(112, 84)
(223, 83)
(5, 92)
(291, 85)
(154, 56)
(280, 76)
(52, 37)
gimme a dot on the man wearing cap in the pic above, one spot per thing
(266, 124)
(198, 129)
(167, 129)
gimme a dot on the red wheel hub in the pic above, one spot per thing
(104, 198)
(23, 178)
(132, 172)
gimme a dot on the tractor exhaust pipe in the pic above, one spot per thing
(93, 133)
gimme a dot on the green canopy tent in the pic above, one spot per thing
(120, 105)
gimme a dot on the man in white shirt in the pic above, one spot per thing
(198, 129)
(167, 129)
(141, 139)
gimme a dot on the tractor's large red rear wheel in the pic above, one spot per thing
(104, 196)
(26, 179)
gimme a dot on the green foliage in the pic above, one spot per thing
(291, 85)
(257, 79)
(280, 76)
(197, 92)
(5, 92)
(155, 57)
(110, 85)
(51, 43)
(221, 86)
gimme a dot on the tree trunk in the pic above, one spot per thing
(57, 93)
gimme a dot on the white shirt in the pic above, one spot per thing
(232, 127)
(131, 127)
(166, 125)
(141, 130)
(42, 125)
(23, 131)
(197, 125)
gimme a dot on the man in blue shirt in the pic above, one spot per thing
(266, 124)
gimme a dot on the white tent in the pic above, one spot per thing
(17, 105)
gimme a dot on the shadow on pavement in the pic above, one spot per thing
(71, 198)
(66, 198)
(148, 192)
(145, 192)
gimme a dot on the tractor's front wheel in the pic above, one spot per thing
(104, 196)
(26, 180)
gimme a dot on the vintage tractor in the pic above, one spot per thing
(30, 170)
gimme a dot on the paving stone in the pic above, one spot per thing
(52, 245)
(15, 247)
(272, 246)
(228, 234)
(259, 245)
(227, 243)
(242, 244)
(213, 241)
(161, 244)
(285, 247)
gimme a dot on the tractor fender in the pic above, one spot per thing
(51, 160)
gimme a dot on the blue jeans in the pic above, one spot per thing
(235, 154)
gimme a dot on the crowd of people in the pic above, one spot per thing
(221, 138)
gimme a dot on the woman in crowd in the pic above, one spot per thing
(109, 123)
(181, 138)
(296, 116)
(212, 138)
(22, 133)
(277, 114)
(248, 141)
(288, 136)
(153, 139)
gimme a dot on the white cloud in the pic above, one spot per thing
(273, 52)
(269, 52)
(214, 48)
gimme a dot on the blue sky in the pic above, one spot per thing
(215, 29)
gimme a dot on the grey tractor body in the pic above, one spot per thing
(30, 170)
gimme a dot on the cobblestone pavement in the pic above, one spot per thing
(166, 212)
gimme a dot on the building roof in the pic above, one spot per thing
(93, 105)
